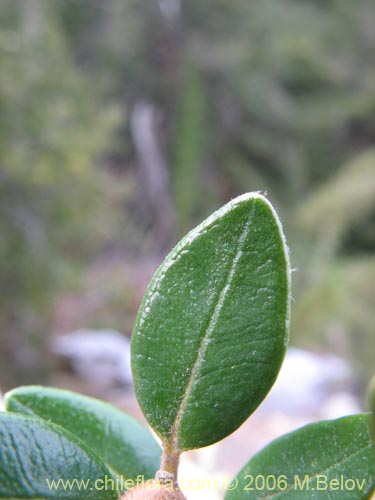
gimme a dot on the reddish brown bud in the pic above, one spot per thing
(155, 490)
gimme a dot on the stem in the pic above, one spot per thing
(169, 461)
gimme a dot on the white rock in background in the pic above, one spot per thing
(340, 404)
(307, 382)
(98, 356)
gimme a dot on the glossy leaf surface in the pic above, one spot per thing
(328, 460)
(122, 443)
(371, 398)
(212, 329)
(33, 453)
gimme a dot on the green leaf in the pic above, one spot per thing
(33, 453)
(212, 329)
(371, 399)
(121, 442)
(328, 460)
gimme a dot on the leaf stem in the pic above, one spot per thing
(169, 461)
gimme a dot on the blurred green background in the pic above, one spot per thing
(123, 123)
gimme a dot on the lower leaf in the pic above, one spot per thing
(327, 460)
(123, 444)
(41, 460)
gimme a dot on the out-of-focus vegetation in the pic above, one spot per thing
(123, 123)
(51, 132)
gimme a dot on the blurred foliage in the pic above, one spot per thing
(341, 204)
(50, 195)
(277, 96)
(335, 286)
(189, 146)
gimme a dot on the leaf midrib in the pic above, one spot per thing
(173, 436)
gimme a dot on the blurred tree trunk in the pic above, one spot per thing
(153, 171)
